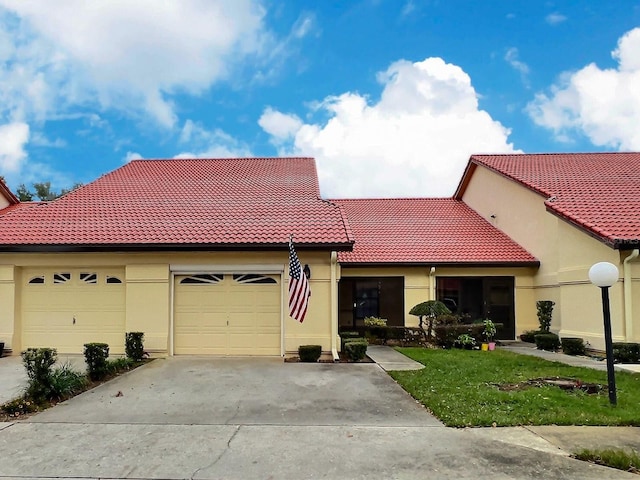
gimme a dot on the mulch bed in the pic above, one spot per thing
(570, 384)
(343, 359)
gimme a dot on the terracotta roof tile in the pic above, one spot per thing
(599, 192)
(425, 231)
(187, 202)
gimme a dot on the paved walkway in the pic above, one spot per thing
(390, 359)
(576, 361)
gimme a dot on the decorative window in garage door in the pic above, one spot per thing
(253, 278)
(111, 279)
(61, 277)
(201, 279)
(90, 278)
(39, 280)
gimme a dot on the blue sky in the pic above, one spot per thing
(390, 96)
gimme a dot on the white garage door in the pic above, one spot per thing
(66, 308)
(227, 314)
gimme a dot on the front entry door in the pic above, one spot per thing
(499, 305)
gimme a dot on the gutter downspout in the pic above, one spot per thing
(432, 283)
(334, 306)
(628, 303)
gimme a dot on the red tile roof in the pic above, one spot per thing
(598, 192)
(248, 202)
(426, 231)
(8, 194)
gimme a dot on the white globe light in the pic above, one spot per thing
(603, 274)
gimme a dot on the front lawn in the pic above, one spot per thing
(461, 388)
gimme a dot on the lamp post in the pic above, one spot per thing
(603, 275)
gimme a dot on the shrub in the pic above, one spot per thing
(375, 322)
(66, 382)
(545, 314)
(133, 345)
(547, 341)
(572, 345)
(446, 335)
(626, 352)
(356, 349)
(96, 354)
(309, 353)
(529, 336)
(347, 335)
(19, 406)
(118, 365)
(465, 341)
(430, 309)
(38, 363)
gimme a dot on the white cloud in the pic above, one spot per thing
(13, 138)
(131, 156)
(512, 58)
(205, 143)
(555, 18)
(128, 55)
(414, 141)
(603, 104)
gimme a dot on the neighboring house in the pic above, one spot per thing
(194, 253)
(415, 249)
(570, 211)
(191, 252)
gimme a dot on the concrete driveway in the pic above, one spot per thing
(209, 418)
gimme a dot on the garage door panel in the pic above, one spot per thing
(68, 315)
(246, 315)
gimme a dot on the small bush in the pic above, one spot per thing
(96, 354)
(347, 335)
(547, 341)
(529, 336)
(66, 382)
(38, 363)
(626, 352)
(19, 406)
(572, 345)
(545, 314)
(309, 353)
(356, 349)
(465, 341)
(118, 365)
(375, 322)
(133, 345)
(446, 335)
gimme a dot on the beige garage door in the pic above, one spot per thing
(66, 308)
(227, 314)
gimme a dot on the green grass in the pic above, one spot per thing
(460, 388)
(620, 459)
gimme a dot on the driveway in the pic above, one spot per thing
(206, 418)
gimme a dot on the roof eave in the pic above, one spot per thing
(480, 264)
(168, 247)
(8, 194)
(609, 242)
(465, 179)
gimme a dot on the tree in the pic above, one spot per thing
(430, 309)
(23, 193)
(43, 192)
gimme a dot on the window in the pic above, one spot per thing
(37, 280)
(61, 277)
(111, 279)
(253, 278)
(89, 278)
(203, 279)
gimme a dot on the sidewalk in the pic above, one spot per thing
(390, 359)
(575, 361)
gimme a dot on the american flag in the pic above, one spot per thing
(299, 291)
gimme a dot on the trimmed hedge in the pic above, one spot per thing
(572, 346)
(547, 341)
(528, 336)
(356, 349)
(96, 354)
(309, 353)
(346, 335)
(133, 345)
(402, 334)
(446, 335)
(626, 352)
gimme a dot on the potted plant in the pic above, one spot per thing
(489, 333)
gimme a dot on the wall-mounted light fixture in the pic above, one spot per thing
(307, 271)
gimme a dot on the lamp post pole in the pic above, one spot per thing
(604, 275)
(611, 375)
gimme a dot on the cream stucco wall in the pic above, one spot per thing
(418, 286)
(565, 252)
(148, 290)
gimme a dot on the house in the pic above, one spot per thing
(570, 211)
(194, 253)
(415, 249)
(191, 252)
